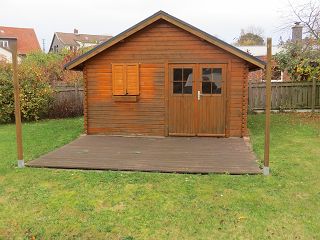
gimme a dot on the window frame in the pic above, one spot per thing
(211, 82)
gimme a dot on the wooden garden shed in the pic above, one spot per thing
(164, 77)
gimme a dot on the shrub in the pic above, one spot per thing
(35, 95)
(38, 75)
(6, 93)
(298, 60)
(49, 67)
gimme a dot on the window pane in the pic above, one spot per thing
(216, 87)
(216, 91)
(177, 87)
(206, 87)
(186, 88)
(187, 80)
(217, 74)
(186, 73)
(211, 80)
(177, 74)
(206, 72)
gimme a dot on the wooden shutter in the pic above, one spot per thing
(118, 79)
(132, 78)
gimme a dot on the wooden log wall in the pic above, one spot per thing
(154, 48)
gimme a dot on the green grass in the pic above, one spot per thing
(70, 204)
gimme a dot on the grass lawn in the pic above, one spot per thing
(69, 204)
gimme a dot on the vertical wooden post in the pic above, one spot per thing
(313, 94)
(268, 108)
(17, 111)
(166, 96)
(77, 95)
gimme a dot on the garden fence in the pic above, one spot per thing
(285, 95)
(67, 102)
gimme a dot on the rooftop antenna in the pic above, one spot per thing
(43, 45)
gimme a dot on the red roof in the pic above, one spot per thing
(27, 39)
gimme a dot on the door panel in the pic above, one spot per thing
(181, 100)
(211, 100)
(197, 99)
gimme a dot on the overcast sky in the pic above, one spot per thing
(223, 19)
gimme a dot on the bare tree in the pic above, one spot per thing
(250, 36)
(255, 30)
(309, 15)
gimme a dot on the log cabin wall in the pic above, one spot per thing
(153, 47)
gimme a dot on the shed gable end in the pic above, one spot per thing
(77, 63)
(162, 41)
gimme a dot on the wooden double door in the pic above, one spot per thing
(197, 99)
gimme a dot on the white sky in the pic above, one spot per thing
(222, 18)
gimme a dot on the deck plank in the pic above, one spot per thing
(170, 154)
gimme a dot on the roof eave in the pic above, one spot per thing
(255, 68)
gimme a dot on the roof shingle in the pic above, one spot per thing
(71, 39)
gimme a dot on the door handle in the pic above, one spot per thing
(199, 95)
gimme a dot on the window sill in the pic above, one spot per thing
(125, 98)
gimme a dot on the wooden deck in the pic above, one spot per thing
(170, 154)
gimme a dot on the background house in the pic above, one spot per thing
(74, 41)
(27, 40)
(5, 55)
(261, 53)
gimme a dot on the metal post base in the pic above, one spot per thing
(266, 171)
(20, 163)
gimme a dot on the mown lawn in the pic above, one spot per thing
(65, 204)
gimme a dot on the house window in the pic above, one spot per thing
(4, 43)
(182, 81)
(125, 79)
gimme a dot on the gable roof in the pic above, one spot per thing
(77, 63)
(26, 38)
(72, 39)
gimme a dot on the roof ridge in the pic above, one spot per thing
(18, 27)
(85, 34)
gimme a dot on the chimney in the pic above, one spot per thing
(297, 32)
(75, 31)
